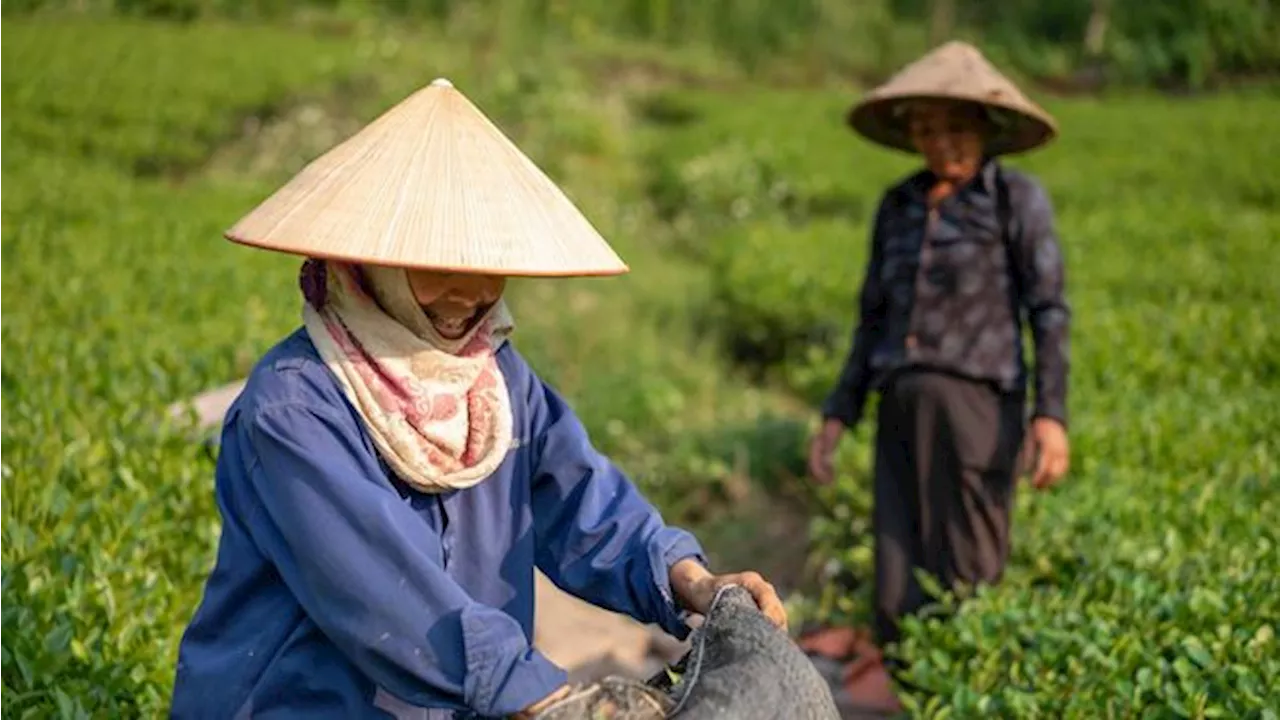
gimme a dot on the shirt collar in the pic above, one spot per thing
(984, 181)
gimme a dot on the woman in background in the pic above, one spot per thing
(960, 253)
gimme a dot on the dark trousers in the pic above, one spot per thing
(945, 471)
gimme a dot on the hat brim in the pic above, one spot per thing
(1019, 128)
(559, 272)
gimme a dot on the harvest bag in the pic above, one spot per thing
(739, 666)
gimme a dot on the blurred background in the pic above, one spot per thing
(706, 140)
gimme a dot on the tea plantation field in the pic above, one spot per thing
(1147, 586)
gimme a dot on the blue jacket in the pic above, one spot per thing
(340, 592)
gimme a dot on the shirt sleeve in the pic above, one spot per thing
(598, 538)
(366, 569)
(1044, 297)
(848, 398)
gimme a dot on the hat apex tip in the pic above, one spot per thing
(441, 82)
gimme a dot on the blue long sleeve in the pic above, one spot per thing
(368, 571)
(598, 538)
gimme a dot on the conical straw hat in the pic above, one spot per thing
(431, 184)
(954, 71)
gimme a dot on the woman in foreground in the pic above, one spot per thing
(394, 471)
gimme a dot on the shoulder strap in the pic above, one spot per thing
(1013, 249)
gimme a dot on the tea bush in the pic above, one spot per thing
(775, 201)
(1148, 583)
(1190, 43)
(119, 110)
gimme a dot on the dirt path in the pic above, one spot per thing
(591, 642)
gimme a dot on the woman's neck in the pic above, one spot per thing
(946, 186)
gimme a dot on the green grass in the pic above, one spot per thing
(108, 525)
(131, 146)
(116, 93)
(1193, 44)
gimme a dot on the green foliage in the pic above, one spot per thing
(127, 108)
(108, 524)
(1149, 580)
(1183, 43)
(1187, 43)
(776, 200)
(1194, 41)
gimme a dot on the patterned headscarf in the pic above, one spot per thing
(437, 409)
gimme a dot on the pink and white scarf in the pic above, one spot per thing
(437, 409)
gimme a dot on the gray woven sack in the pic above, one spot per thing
(740, 667)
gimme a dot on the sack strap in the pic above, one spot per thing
(1013, 249)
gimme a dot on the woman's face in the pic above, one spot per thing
(949, 136)
(455, 302)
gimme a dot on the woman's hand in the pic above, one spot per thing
(1047, 442)
(695, 587)
(821, 450)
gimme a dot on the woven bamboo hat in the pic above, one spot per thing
(431, 184)
(954, 71)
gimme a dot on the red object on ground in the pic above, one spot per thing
(864, 685)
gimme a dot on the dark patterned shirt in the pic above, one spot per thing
(941, 292)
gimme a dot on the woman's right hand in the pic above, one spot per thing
(822, 450)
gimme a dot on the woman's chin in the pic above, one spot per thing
(955, 170)
(453, 329)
